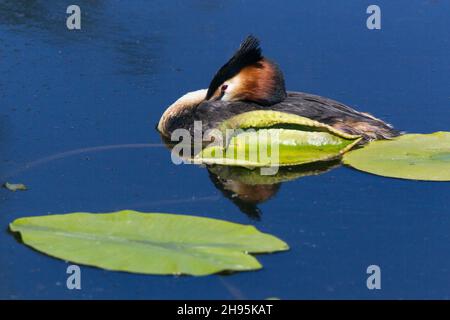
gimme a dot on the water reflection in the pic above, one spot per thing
(248, 188)
(245, 196)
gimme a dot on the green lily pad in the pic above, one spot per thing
(149, 243)
(411, 156)
(272, 138)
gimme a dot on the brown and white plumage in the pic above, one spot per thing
(247, 82)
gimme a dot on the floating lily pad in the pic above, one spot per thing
(289, 140)
(149, 243)
(411, 156)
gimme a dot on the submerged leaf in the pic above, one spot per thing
(411, 156)
(15, 186)
(272, 138)
(149, 243)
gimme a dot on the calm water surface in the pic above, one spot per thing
(77, 118)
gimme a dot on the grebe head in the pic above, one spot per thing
(248, 76)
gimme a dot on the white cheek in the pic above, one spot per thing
(226, 96)
(230, 91)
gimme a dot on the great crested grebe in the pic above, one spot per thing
(249, 81)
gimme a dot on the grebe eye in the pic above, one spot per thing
(224, 87)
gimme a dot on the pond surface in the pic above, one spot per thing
(78, 111)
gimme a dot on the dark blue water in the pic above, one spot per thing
(65, 93)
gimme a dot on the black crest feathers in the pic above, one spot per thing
(248, 53)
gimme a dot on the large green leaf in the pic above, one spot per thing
(289, 140)
(150, 243)
(411, 156)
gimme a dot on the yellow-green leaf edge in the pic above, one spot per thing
(269, 118)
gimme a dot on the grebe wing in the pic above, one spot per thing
(336, 114)
(318, 108)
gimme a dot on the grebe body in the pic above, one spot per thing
(248, 82)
